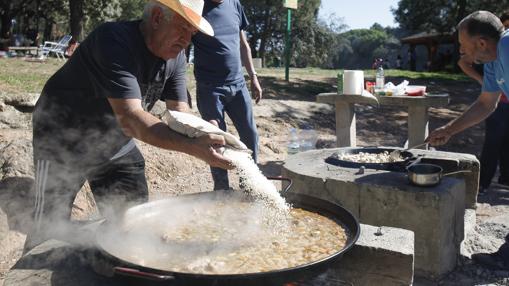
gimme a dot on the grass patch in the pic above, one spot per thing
(19, 76)
(316, 72)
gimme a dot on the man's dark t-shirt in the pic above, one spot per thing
(73, 114)
(217, 59)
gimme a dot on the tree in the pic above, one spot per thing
(265, 30)
(311, 38)
(440, 15)
(84, 16)
(8, 11)
(76, 18)
(356, 49)
(131, 9)
(48, 13)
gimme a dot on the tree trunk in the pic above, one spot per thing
(76, 20)
(6, 25)
(6, 17)
(266, 33)
(48, 26)
(462, 6)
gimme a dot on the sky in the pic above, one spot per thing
(360, 14)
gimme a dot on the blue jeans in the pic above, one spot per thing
(495, 150)
(213, 101)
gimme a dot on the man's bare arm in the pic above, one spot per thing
(137, 123)
(176, 105)
(247, 61)
(477, 112)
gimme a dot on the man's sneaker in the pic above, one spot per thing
(482, 191)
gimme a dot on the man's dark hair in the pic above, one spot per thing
(482, 23)
(504, 16)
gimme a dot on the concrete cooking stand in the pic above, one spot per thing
(436, 215)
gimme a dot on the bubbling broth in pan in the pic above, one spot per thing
(233, 237)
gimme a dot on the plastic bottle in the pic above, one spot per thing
(307, 136)
(293, 146)
(380, 79)
(340, 83)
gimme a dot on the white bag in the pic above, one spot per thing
(193, 126)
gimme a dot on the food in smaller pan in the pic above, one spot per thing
(363, 157)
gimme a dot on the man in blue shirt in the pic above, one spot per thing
(482, 39)
(220, 84)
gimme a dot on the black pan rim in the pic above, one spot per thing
(352, 228)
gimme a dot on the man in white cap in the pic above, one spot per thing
(91, 109)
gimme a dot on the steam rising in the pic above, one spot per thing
(187, 232)
(72, 148)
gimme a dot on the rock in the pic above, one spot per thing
(22, 100)
(10, 117)
(16, 158)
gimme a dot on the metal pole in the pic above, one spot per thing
(288, 44)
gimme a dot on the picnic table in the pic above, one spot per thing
(417, 107)
(25, 50)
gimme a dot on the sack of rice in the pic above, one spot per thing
(193, 126)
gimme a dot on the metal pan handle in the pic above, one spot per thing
(417, 160)
(140, 274)
(279, 178)
(456, 172)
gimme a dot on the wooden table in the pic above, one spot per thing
(418, 118)
(25, 49)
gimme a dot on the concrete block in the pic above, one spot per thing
(381, 258)
(464, 162)
(435, 214)
(469, 229)
(327, 190)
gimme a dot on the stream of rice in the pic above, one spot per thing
(254, 182)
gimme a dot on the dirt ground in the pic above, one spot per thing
(285, 105)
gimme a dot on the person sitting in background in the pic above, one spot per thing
(73, 44)
(496, 134)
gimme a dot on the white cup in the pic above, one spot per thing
(353, 82)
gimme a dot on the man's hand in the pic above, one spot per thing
(439, 136)
(176, 105)
(256, 89)
(205, 149)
